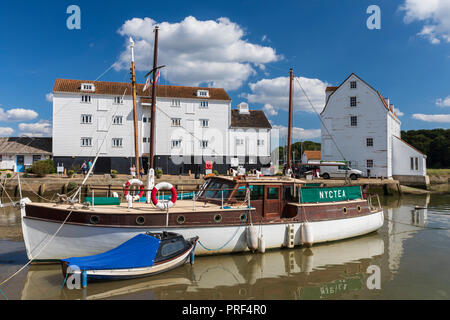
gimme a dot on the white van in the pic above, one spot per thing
(338, 170)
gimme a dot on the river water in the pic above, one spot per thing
(408, 258)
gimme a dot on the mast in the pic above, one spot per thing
(133, 86)
(152, 129)
(291, 87)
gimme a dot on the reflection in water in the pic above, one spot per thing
(278, 274)
(329, 271)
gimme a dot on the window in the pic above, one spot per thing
(204, 144)
(272, 193)
(369, 163)
(176, 103)
(417, 163)
(86, 118)
(176, 143)
(352, 84)
(36, 158)
(172, 248)
(1, 158)
(239, 142)
(412, 163)
(203, 104)
(118, 100)
(369, 142)
(86, 99)
(260, 142)
(353, 121)
(117, 142)
(145, 139)
(202, 93)
(204, 123)
(256, 192)
(117, 119)
(352, 101)
(176, 122)
(86, 142)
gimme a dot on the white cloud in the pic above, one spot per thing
(42, 127)
(49, 97)
(18, 114)
(31, 134)
(443, 102)
(211, 52)
(435, 14)
(398, 112)
(268, 108)
(445, 118)
(298, 133)
(276, 92)
(6, 131)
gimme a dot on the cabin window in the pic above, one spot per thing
(256, 192)
(172, 248)
(215, 189)
(353, 121)
(369, 142)
(272, 193)
(352, 101)
(288, 194)
(352, 84)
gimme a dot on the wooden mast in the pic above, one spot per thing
(153, 111)
(290, 118)
(133, 86)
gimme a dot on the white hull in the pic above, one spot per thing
(78, 240)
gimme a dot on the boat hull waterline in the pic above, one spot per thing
(74, 240)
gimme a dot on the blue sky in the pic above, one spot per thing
(407, 60)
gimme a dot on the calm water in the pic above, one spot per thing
(411, 253)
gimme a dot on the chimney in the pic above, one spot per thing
(386, 100)
(391, 107)
(243, 108)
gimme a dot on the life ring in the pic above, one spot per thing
(131, 182)
(164, 186)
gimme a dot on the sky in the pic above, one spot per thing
(246, 47)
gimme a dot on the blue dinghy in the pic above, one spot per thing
(144, 255)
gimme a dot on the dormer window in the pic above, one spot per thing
(87, 87)
(203, 93)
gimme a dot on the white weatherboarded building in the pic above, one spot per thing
(359, 125)
(192, 126)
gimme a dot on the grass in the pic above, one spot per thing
(438, 172)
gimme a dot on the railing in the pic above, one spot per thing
(371, 204)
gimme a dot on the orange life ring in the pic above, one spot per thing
(127, 185)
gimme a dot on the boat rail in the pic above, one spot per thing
(370, 202)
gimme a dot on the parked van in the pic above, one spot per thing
(338, 170)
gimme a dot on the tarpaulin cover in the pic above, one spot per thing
(309, 195)
(138, 252)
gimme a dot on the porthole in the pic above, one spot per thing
(344, 210)
(243, 292)
(181, 219)
(358, 208)
(94, 219)
(243, 217)
(218, 218)
(140, 220)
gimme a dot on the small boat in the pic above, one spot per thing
(144, 255)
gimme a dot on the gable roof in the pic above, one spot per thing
(121, 88)
(334, 89)
(410, 146)
(254, 119)
(26, 145)
(313, 154)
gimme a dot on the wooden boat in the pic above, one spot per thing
(144, 255)
(277, 210)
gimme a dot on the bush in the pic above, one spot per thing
(70, 173)
(42, 168)
(114, 173)
(71, 186)
(158, 173)
(29, 170)
(8, 175)
(216, 172)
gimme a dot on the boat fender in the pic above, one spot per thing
(307, 235)
(129, 183)
(164, 186)
(252, 238)
(261, 244)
